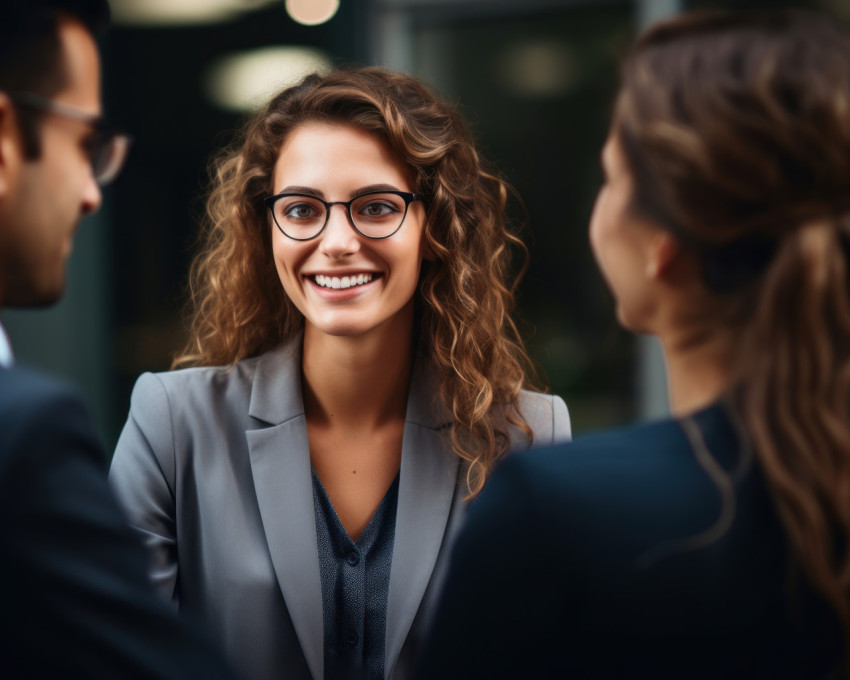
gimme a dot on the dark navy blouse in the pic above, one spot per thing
(355, 585)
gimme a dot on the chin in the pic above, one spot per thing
(631, 324)
(41, 297)
(342, 331)
(356, 325)
(341, 328)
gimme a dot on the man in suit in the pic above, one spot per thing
(74, 596)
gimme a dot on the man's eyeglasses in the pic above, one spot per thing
(108, 146)
(376, 214)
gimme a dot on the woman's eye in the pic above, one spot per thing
(378, 209)
(300, 211)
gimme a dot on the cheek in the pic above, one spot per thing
(287, 256)
(408, 261)
(599, 224)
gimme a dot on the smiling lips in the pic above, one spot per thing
(341, 282)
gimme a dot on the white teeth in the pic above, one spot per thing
(342, 283)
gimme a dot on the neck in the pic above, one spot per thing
(698, 369)
(358, 383)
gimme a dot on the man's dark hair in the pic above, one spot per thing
(30, 50)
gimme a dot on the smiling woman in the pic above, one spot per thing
(354, 374)
(319, 242)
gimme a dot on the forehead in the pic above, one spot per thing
(81, 65)
(337, 153)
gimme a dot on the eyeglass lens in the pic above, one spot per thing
(374, 215)
(108, 154)
(108, 148)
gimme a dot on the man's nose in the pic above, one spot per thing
(92, 197)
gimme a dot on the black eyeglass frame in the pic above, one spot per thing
(104, 133)
(406, 196)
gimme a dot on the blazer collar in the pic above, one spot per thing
(424, 405)
(276, 393)
(280, 466)
(280, 462)
(7, 358)
(428, 487)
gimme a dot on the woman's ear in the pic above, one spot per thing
(664, 254)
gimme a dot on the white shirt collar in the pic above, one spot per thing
(6, 356)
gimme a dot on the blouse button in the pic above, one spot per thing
(353, 558)
(351, 638)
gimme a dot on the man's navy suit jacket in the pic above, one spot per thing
(74, 597)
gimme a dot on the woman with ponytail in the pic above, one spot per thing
(714, 544)
(352, 376)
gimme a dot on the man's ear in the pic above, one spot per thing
(11, 152)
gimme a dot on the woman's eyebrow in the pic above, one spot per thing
(295, 189)
(318, 193)
(372, 188)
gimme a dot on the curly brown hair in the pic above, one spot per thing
(466, 292)
(736, 128)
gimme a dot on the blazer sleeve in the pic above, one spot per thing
(76, 599)
(548, 417)
(142, 475)
(561, 426)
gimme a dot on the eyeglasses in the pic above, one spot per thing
(107, 147)
(376, 214)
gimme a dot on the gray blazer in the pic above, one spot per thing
(213, 469)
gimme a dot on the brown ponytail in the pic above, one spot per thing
(794, 371)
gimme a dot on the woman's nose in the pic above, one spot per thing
(339, 237)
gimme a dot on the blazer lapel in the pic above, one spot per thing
(428, 480)
(280, 463)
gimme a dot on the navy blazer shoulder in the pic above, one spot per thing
(76, 602)
(32, 403)
(637, 552)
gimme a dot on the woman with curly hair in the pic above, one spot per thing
(353, 375)
(715, 543)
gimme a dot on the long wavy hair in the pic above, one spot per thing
(736, 128)
(466, 293)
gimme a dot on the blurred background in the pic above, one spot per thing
(534, 78)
